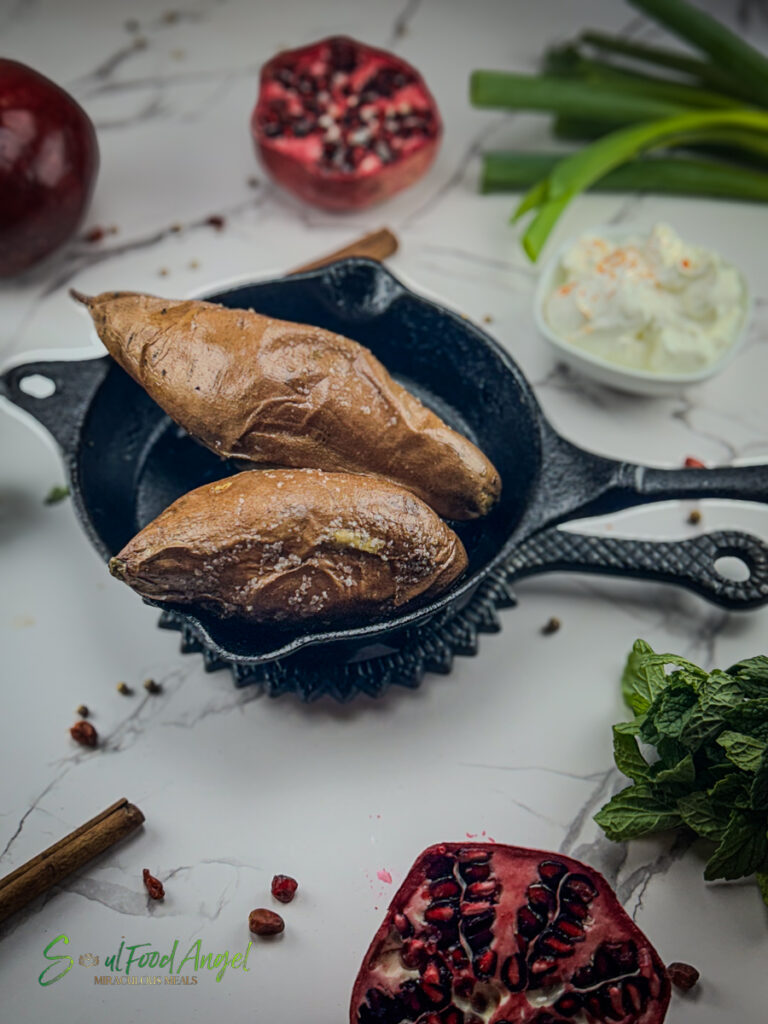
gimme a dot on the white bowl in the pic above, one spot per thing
(624, 378)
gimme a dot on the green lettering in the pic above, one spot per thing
(189, 956)
(54, 960)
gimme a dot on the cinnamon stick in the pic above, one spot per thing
(70, 853)
(376, 245)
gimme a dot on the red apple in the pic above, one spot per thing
(49, 158)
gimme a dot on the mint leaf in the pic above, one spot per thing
(641, 682)
(56, 494)
(699, 814)
(743, 848)
(751, 718)
(743, 751)
(629, 760)
(753, 669)
(682, 774)
(669, 713)
(700, 726)
(732, 791)
(762, 884)
(758, 794)
(670, 752)
(720, 691)
(636, 811)
(630, 728)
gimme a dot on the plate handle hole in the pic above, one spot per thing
(37, 386)
(734, 569)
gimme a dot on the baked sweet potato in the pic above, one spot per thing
(288, 394)
(293, 545)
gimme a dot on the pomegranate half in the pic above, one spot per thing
(343, 125)
(491, 934)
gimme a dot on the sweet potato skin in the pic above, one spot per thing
(293, 546)
(287, 394)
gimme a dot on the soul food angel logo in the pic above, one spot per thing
(140, 956)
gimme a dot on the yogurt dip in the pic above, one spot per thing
(651, 303)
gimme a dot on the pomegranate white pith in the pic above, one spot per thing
(344, 125)
(491, 934)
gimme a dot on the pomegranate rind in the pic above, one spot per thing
(294, 162)
(521, 882)
(49, 162)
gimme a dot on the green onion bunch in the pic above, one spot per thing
(709, 116)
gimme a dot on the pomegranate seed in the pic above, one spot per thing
(444, 889)
(485, 964)
(439, 913)
(284, 888)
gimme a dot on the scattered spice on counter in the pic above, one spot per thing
(683, 976)
(284, 888)
(551, 627)
(56, 494)
(193, 264)
(216, 221)
(265, 922)
(152, 687)
(163, 271)
(82, 711)
(487, 319)
(125, 689)
(176, 227)
(84, 734)
(694, 517)
(154, 885)
(693, 463)
(253, 182)
(95, 234)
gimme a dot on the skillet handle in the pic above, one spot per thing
(745, 483)
(687, 563)
(62, 411)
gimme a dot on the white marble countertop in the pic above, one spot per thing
(516, 742)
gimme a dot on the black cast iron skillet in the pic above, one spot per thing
(127, 461)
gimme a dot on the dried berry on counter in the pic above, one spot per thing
(84, 734)
(154, 885)
(265, 922)
(682, 976)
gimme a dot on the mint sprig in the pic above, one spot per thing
(697, 755)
